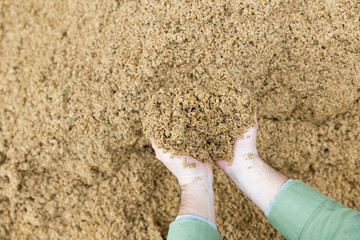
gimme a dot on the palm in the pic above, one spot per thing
(244, 148)
(187, 169)
(247, 143)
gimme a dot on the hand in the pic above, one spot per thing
(186, 169)
(195, 180)
(250, 173)
(244, 149)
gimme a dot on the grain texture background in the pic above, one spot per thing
(74, 78)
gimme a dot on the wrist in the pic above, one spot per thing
(257, 180)
(197, 198)
(242, 164)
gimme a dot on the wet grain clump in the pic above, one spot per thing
(202, 119)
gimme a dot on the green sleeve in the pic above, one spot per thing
(190, 229)
(301, 212)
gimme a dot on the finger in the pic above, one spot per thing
(238, 143)
(164, 156)
(167, 157)
(223, 165)
(246, 142)
(155, 147)
(209, 168)
(158, 151)
(190, 158)
(207, 165)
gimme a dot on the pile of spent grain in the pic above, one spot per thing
(202, 119)
(75, 77)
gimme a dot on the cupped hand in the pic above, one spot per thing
(250, 173)
(186, 169)
(195, 180)
(244, 150)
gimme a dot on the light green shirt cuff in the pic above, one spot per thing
(192, 229)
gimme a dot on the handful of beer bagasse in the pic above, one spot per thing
(202, 119)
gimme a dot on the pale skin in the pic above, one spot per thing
(250, 173)
(196, 183)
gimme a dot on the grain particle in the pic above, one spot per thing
(185, 163)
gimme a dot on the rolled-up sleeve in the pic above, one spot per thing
(191, 229)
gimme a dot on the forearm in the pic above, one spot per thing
(197, 198)
(196, 218)
(257, 180)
